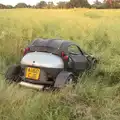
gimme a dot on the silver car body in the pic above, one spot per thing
(42, 59)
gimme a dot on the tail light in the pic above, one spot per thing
(62, 54)
(26, 50)
(65, 57)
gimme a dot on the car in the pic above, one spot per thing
(50, 63)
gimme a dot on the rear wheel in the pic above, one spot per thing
(12, 73)
(71, 81)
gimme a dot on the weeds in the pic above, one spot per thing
(96, 96)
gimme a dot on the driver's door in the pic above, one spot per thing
(79, 61)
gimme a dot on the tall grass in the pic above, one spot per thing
(96, 96)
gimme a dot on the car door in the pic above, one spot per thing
(79, 61)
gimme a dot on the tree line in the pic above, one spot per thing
(67, 5)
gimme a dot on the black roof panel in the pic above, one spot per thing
(50, 45)
(47, 43)
(54, 43)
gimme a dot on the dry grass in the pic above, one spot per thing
(96, 97)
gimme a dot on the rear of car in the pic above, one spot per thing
(41, 68)
(48, 63)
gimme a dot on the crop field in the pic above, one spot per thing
(96, 96)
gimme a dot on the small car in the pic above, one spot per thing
(50, 63)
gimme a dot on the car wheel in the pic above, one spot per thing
(94, 63)
(12, 73)
(70, 80)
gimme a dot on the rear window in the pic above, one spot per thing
(50, 46)
(48, 43)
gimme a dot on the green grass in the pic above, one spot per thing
(96, 96)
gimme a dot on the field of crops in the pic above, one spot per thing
(97, 95)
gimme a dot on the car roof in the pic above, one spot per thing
(53, 43)
(55, 46)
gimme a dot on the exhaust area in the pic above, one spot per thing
(29, 85)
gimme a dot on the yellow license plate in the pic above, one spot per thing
(32, 73)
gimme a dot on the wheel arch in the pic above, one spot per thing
(61, 79)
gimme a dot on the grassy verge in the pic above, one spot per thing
(96, 97)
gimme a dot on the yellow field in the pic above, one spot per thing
(96, 31)
(77, 24)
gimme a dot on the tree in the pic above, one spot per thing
(34, 6)
(112, 3)
(79, 3)
(9, 6)
(97, 4)
(21, 5)
(61, 4)
(68, 5)
(29, 6)
(2, 6)
(50, 5)
(116, 4)
(41, 4)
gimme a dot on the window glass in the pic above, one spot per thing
(73, 49)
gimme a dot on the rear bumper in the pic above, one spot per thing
(30, 85)
(39, 82)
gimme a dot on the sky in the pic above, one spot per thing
(32, 2)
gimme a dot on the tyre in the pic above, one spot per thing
(94, 64)
(70, 80)
(12, 73)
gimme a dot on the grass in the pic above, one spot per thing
(96, 96)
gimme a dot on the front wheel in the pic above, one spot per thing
(94, 63)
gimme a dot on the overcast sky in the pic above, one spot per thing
(32, 2)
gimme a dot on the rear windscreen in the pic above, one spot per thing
(48, 43)
(51, 46)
